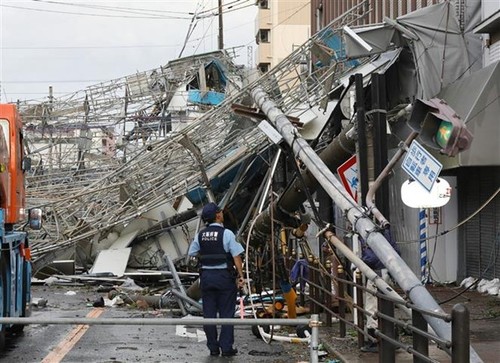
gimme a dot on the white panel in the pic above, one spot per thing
(124, 240)
(147, 220)
(114, 261)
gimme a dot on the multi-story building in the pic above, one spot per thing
(281, 25)
(324, 11)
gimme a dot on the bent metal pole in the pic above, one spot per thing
(404, 276)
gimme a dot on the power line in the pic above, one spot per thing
(204, 35)
(215, 11)
(190, 41)
(91, 47)
(112, 8)
(61, 81)
(192, 26)
(159, 17)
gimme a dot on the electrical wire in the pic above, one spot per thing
(470, 118)
(204, 36)
(459, 294)
(112, 8)
(192, 26)
(477, 280)
(92, 47)
(159, 17)
(199, 40)
(227, 5)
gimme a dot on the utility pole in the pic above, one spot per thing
(363, 164)
(221, 27)
(380, 140)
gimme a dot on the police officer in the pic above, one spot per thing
(220, 276)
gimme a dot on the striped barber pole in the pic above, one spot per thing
(422, 217)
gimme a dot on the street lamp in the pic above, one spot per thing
(439, 126)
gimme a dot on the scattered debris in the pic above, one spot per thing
(99, 303)
(142, 304)
(38, 302)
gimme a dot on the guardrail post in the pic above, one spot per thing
(387, 350)
(328, 293)
(317, 283)
(312, 288)
(420, 342)
(359, 312)
(460, 340)
(314, 344)
(342, 305)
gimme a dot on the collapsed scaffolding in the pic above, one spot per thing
(211, 158)
(88, 178)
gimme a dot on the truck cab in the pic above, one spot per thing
(15, 256)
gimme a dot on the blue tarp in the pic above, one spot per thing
(210, 98)
(334, 42)
(218, 185)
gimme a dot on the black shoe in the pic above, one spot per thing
(370, 348)
(214, 352)
(230, 353)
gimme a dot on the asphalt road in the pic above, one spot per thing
(126, 343)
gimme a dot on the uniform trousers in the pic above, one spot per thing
(219, 291)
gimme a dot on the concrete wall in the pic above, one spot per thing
(288, 22)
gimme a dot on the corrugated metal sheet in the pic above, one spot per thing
(494, 55)
(480, 235)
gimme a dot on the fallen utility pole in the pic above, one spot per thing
(336, 153)
(361, 222)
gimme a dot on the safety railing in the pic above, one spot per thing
(313, 323)
(331, 295)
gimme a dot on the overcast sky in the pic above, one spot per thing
(70, 44)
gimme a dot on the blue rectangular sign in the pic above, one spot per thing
(421, 165)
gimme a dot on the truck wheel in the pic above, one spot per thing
(18, 328)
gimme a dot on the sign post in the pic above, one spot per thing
(348, 174)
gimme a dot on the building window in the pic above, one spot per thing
(263, 36)
(263, 4)
(264, 67)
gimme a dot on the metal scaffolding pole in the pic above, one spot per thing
(361, 222)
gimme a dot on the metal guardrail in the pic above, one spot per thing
(320, 298)
(313, 323)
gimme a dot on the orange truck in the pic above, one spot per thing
(15, 265)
